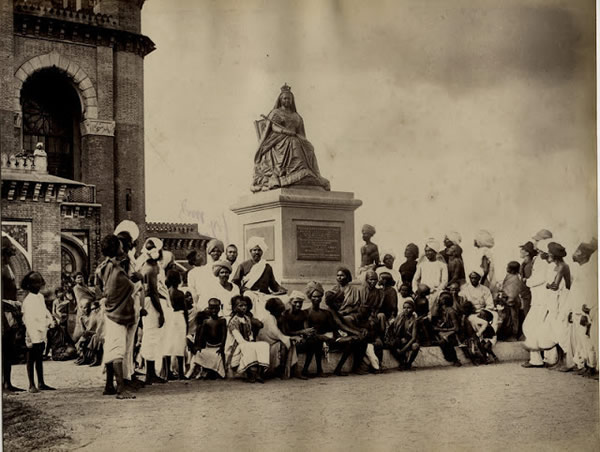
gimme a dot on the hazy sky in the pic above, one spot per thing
(438, 115)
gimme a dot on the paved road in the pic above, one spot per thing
(497, 407)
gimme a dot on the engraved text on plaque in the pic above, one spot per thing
(319, 243)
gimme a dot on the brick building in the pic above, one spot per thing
(71, 73)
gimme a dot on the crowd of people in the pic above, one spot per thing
(141, 316)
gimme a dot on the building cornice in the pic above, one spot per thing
(77, 27)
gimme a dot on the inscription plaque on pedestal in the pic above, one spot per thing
(319, 243)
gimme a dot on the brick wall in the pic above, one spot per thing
(127, 11)
(83, 54)
(45, 225)
(105, 82)
(7, 141)
(91, 225)
(129, 137)
(97, 168)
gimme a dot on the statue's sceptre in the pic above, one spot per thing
(282, 127)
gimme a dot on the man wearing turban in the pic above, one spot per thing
(128, 232)
(533, 325)
(555, 327)
(369, 253)
(583, 315)
(476, 293)
(484, 242)
(255, 277)
(200, 278)
(431, 271)
(215, 248)
(450, 239)
(388, 258)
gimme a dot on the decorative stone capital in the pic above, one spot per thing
(98, 127)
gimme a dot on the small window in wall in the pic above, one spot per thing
(128, 200)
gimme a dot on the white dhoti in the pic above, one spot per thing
(152, 340)
(247, 354)
(210, 358)
(371, 357)
(174, 337)
(128, 361)
(538, 326)
(259, 301)
(115, 341)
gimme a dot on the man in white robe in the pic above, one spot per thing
(533, 323)
(432, 271)
(201, 277)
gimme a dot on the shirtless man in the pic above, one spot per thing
(210, 342)
(369, 253)
(372, 344)
(294, 324)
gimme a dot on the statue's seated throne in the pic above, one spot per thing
(260, 125)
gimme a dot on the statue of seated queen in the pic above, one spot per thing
(285, 157)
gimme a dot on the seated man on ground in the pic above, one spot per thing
(351, 341)
(425, 333)
(282, 349)
(210, 343)
(479, 334)
(367, 320)
(90, 344)
(243, 354)
(389, 305)
(323, 324)
(401, 337)
(294, 321)
(446, 328)
(478, 294)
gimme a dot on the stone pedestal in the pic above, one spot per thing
(310, 232)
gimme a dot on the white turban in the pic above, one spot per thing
(484, 239)
(454, 237)
(433, 244)
(130, 227)
(297, 295)
(254, 241)
(153, 253)
(158, 244)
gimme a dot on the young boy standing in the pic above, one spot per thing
(37, 319)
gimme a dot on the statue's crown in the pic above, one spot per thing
(286, 88)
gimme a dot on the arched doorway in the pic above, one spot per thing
(51, 115)
(73, 255)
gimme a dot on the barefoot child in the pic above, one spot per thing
(210, 342)
(37, 320)
(243, 354)
(176, 335)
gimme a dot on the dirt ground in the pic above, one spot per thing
(497, 407)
